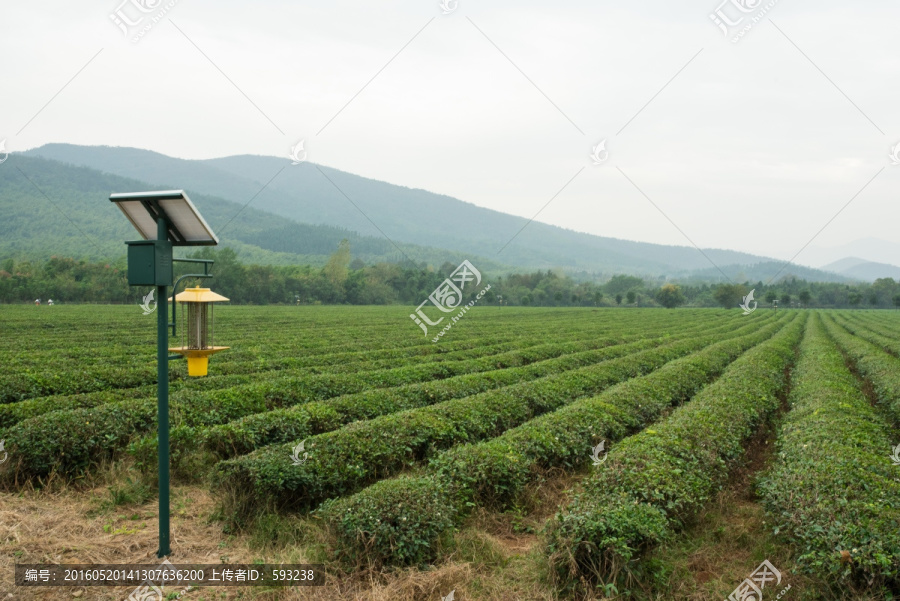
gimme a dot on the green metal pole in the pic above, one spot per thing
(162, 397)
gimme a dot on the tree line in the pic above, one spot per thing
(344, 280)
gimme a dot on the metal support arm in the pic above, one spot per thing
(206, 265)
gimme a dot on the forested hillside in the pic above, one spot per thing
(51, 208)
(313, 194)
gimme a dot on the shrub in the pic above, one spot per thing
(297, 422)
(872, 363)
(363, 452)
(834, 446)
(392, 506)
(495, 472)
(37, 439)
(653, 481)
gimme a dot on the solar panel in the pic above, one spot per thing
(185, 225)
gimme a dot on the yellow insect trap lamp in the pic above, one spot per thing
(197, 326)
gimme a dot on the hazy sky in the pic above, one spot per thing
(752, 145)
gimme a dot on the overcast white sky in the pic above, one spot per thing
(752, 146)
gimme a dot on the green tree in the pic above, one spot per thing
(623, 283)
(771, 296)
(786, 299)
(730, 295)
(337, 268)
(229, 275)
(884, 289)
(618, 299)
(854, 298)
(896, 300)
(630, 297)
(804, 297)
(670, 296)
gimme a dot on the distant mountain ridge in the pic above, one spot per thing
(322, 196)
(53, 208)
(869, 248)
(861, 269)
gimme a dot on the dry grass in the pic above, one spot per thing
(78, 523)
(497, 556)
(67, 525)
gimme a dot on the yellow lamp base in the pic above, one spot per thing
(198, 359)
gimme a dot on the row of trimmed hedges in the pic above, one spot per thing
(34, 383)
(834, 446)
(69, 441)
(875, 333)
(112, 367)
(12, 413)
(53, 390)
(57, 440)
(366, 526)
(70, 376)
(872, 363)
(653, 481)
(295, 423)
(347, 459)
(563, 438)
(884, 323)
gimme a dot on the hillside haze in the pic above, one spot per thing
(53, 208)
(284, 197)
